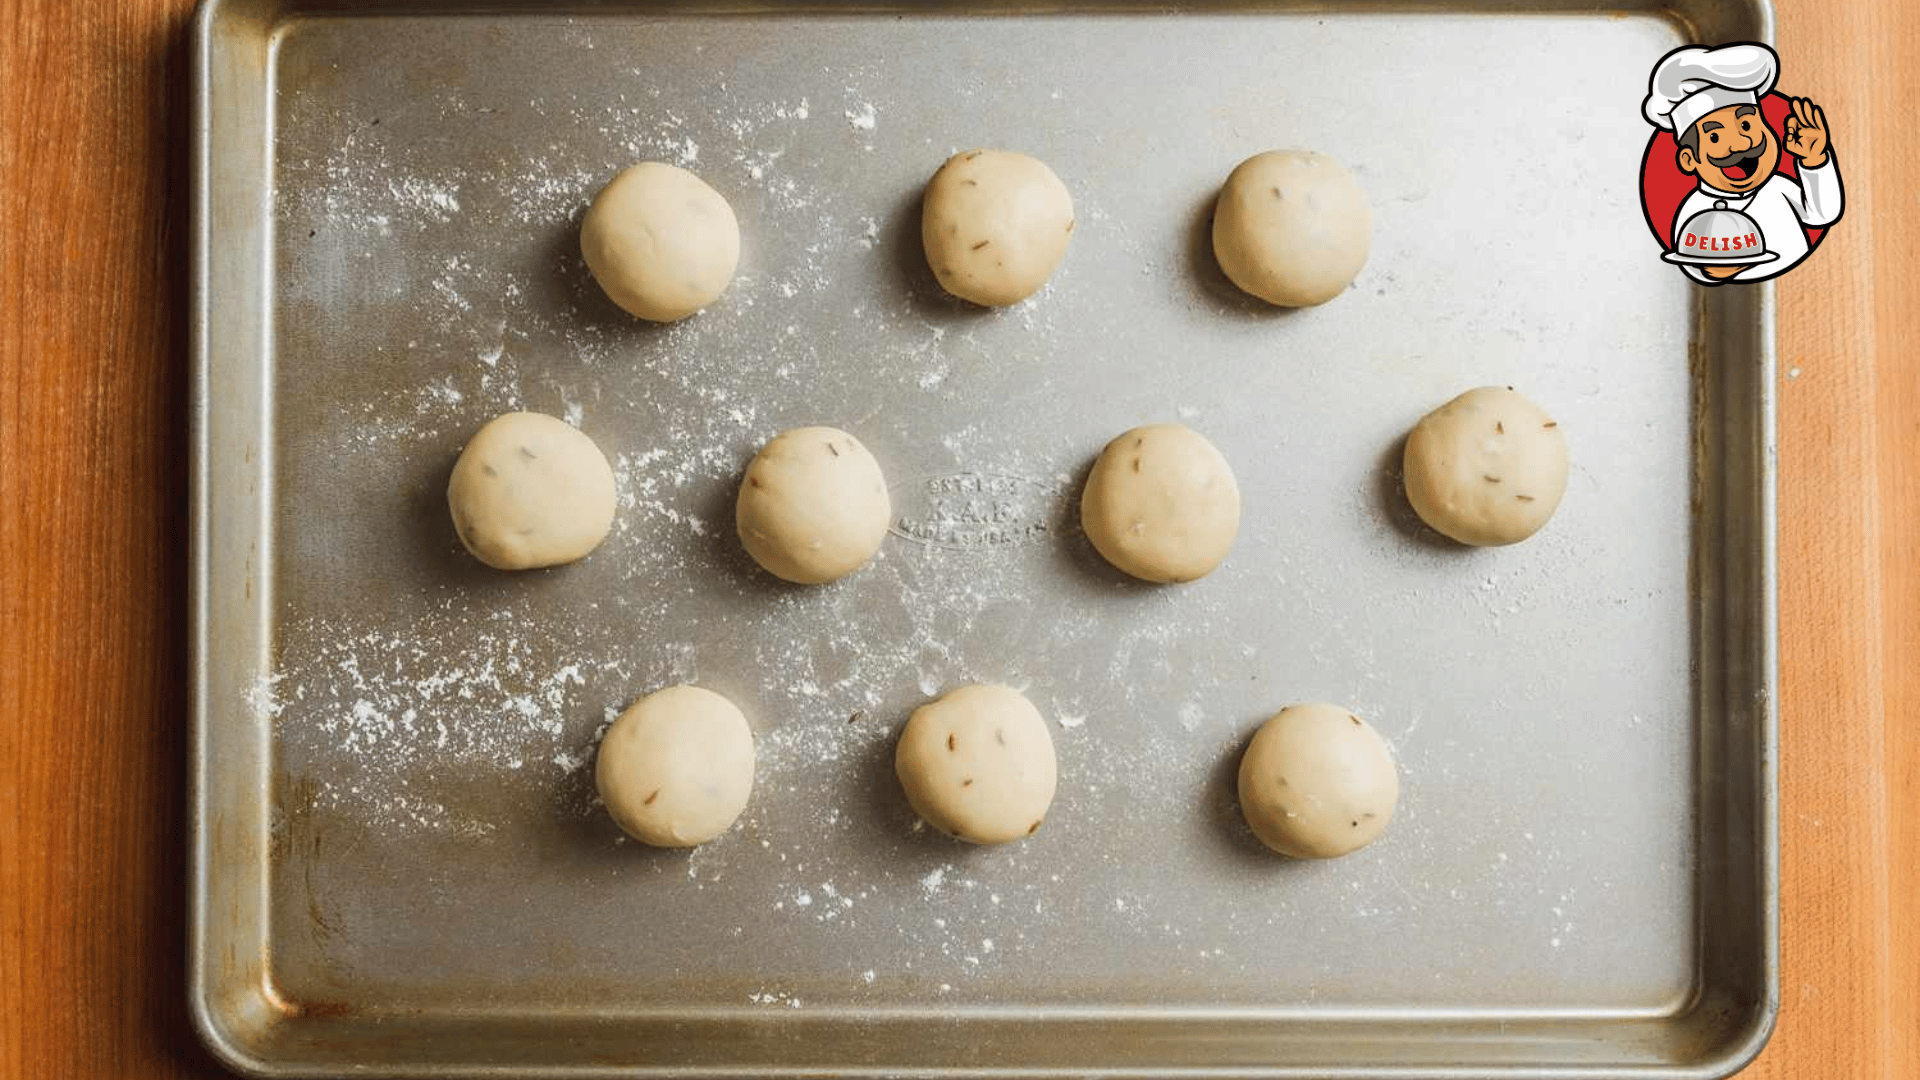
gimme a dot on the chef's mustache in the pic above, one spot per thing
(1740, 156)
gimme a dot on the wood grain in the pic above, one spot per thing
(92, 600)
(1850, 580)
(92, 433)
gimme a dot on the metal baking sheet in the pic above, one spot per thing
(398, 864)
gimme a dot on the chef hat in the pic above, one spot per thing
(1688, 84)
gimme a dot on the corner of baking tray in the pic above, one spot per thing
(1751, 1025)
(1715, 22)
(218, 1033)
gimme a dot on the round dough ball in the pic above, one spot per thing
(530, 490)
(1317, 782)
(1292, 227)
(1486, 468)
(994, 225)
(676, 769)
(978, 764)
(813, 506)
(1161, 504)
(660, 241)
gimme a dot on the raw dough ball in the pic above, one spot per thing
(1317, 782)
(813, 506)
(1292, 227)
(660, 241)
(1487, 467)
(1161, 504)
(530, 490)
(995, 224)
(676, 769)
(978, 764)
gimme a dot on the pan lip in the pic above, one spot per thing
(218, 1001)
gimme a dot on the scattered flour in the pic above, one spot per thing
(462, 294)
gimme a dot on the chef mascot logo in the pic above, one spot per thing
(1738, 183)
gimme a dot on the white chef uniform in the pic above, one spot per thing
(1690, 83)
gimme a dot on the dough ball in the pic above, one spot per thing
(530, 490)
(1161, 504)
(978, 764)
(660, 241)
(995, 224)
(1486, 468)
(813, 506)
(1317, 782)
(676, 769)
(1292, 227)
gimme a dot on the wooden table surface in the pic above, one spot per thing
(93, 400)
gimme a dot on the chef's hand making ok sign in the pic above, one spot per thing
(1806, 133)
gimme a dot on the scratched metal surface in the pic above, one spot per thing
(399, 866)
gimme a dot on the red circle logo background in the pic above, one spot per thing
(1663, 187)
